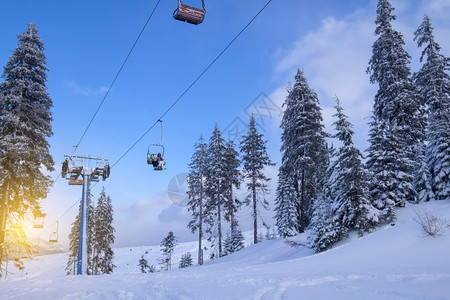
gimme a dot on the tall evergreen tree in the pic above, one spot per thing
(216, 189)
(231, 180)
(381, 165)
(103, 254)
(304, 150)
(25, 125)
(397, 114)
(197, 192)
(348, 183)
(167, 246)
(433, 82)
(255, 158)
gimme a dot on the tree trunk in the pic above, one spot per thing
(200, 230)
(219, 225)
(3, 218)
(230, 200)
(303, 205)
(298, 204)
(255, 212)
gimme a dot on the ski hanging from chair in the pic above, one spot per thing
(155, 153)
(190, 14)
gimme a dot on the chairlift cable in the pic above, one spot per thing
(171, 106)
(62, 215)
(192, 84)
(117, 75)
(106, 95)
(101, 104)
(59, 218)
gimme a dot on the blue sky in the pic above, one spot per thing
(87, 41)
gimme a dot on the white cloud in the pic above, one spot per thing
(147, 221)
(335, 58)
(279, 96)
(438, 8)
(143, 208)
(86, 91)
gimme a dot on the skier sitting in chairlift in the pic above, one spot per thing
(160, 161)
(152, 160)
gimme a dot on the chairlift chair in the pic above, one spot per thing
(156, 148)
(35, 247)
(106, 171)
(190, 14)
(53, 238)
(38, 221)
(151, 150)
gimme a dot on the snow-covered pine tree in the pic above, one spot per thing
(71, 265)
(152, 269)
(304, 158)
(423, 182)
(186, 261)
(286, 206)
(234, 240)
(271, 232)
(74, 235)
(351, 206)
(433, 83)
(227, 244)
(232, 180)
(197, 192)
(398, 116)
(25, 125)
(385, 185)
(325, 232)
(143, 265)
(167, 246)
(103, 255)
(216, 190)
(255, 159)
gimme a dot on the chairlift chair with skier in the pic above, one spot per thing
(155, 153)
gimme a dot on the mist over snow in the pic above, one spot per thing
(395, 262)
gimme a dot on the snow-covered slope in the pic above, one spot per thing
(395, 262)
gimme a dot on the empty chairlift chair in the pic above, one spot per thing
(38, 221)
(189, 14)
(54, 235)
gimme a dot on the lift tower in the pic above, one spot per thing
(90, 169)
